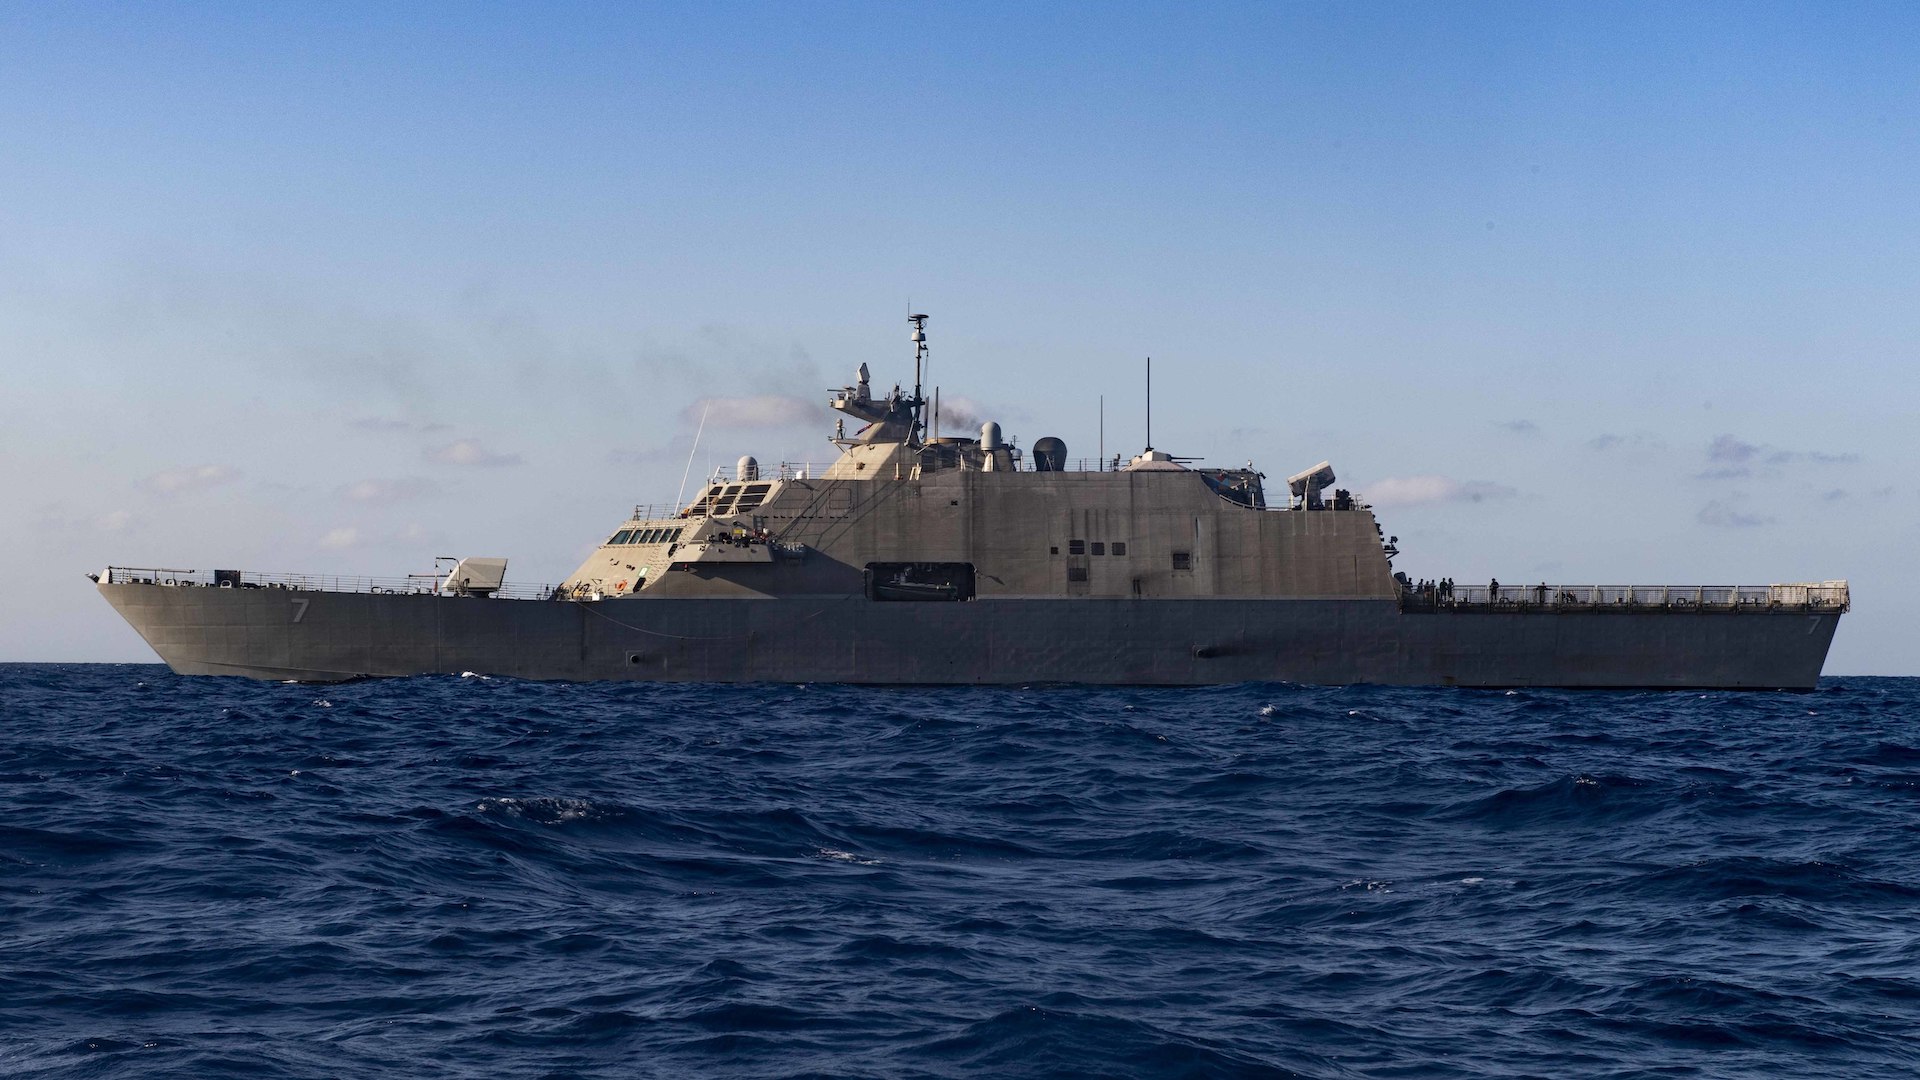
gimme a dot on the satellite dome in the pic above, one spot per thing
(1049, 455)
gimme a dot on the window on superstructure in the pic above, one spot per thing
(1099, 548)
(675, 537)
(753, 496)
(704, 505)
(1183, 560)
(1076, 573)
(1119, 547)
(1076, 547)
(621, 537)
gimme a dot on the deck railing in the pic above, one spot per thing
(1826, 596)
(1821, 596)
(420, 584)
(792, 470)
(658, 511)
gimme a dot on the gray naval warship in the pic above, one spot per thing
(922, 559)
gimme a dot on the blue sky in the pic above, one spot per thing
(1598, 293)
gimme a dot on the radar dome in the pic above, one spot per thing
(747, 469)
(1049, 455)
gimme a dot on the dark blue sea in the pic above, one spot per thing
(470, 877)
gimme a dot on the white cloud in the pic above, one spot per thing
(762, 411)
(1728, 515)
(401, 489)
(190, 478)
(1639, 440)
(115, 521)
(469, 452)
(383, 424)
(1730, 458)
(1415, 490)
(340, 538)
(645, 457)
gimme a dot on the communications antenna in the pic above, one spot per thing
(680, 500)
(1149, 402)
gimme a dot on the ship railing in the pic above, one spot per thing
(803, 470)
(1820, 596)
(657, 511)
(412, 584)
(1085, 464)
(785, 470)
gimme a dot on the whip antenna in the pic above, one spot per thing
(680, 500)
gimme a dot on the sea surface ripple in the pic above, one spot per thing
(455, 877)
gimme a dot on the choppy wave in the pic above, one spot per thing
(452, 877)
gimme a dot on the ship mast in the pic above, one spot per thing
(919, 365)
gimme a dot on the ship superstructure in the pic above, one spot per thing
(920, 558)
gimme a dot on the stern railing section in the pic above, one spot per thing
(1826, 596)
(412, 584)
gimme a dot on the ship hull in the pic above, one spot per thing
(314, 636)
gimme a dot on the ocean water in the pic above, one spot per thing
(469, 877)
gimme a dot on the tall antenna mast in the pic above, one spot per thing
(680, 499)
(919, 362)
(1149, 402)
(1103, 431)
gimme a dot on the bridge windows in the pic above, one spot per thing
(1076, 547)
(1183, 560)
(658, 535)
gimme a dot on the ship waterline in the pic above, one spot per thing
(914, 558)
